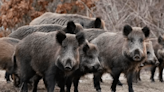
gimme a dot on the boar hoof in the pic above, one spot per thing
(119, 83)
(8, 81)
(139, 79)
(99, 90)
(161, 80)
(101, 80)
(75, 90)
(152, 80)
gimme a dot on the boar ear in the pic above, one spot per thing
(60, 36)
(85, 48)
(146, 31)
(127, 29)
(71, 27)
(160, 40)
(97, 22)
(80, 37)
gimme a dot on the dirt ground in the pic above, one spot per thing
(86, 84)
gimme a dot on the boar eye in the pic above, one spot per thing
(148, 53)
(74, 48)
(131, 40)
(90, 56)
(64, 47)
(141, 40)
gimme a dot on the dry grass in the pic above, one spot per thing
(117, 13)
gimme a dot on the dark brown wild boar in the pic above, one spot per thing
(51, 56)
(158, 45)
(92, 33)
(150, 61)
(62, 19)
(121, 53)
(23, 31)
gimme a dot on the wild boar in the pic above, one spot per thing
(23, 31)
(62, 19)
(150, 61)
(121, 54)
(92, 33)
(158, 46)
(50, 56)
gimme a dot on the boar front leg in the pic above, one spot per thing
(49, 80)
(129, 81)
(160, 73)
(152, 73)
(97, 78)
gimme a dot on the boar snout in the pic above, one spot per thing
(68, 66)
(136, 56)
(96, 67)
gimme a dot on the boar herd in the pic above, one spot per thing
(61, 48)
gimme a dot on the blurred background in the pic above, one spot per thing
(115, 13)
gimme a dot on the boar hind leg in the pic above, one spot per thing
(26, 75)
(135, 77)
(25, 80)
(24, 84)
(101, 80)
(138, 75)
(96, 80)
(119, 82)
(7, 76)
(36, 80)
(24, 87)
(116, 74)
(160, 73)
(152, 73)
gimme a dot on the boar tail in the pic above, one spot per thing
(14, 66)
(14, 61)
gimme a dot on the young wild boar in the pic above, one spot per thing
(62, 19)
(121, 53)
(150, 61)
(51, 56)
(158, 45)
(23, 31)
(7, 47)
